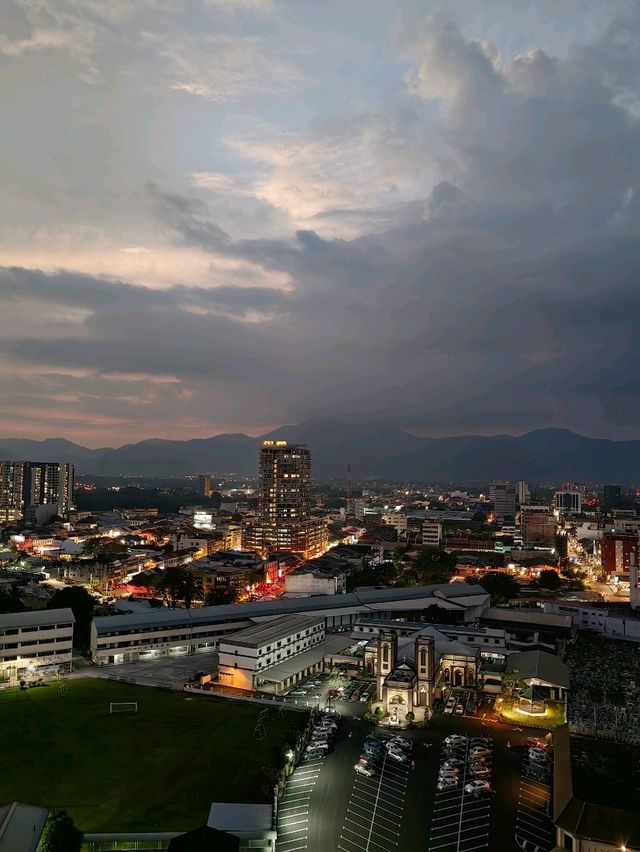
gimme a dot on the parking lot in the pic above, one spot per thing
(373, 819)
(293, 808)
(533, 821)
(400, 808)
(460, 821)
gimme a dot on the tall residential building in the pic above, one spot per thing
(11, 491)
(284, 521)
(568, 501)
(205, 485)
(523, 494)
(26, 486)
(503, 498)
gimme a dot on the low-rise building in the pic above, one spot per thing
(244, 657)
(35, 643)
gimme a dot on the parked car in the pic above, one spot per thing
(459, 710)
(477, 787)
(535, 742)
(537, 756)
(453, 763)
(455, 739)
(397, 755)
(480, 772)
(447, 783)
(401, 742)
(367, 770)
(479, 751)
(472, 708)
(448, 710)
(317, 747)
(480, 741)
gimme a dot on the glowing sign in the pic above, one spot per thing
(274, 443)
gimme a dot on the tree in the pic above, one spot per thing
(221, 597)
(192, 588)
(549, 579)
(104, 548)
(82, 604)
(512, 682)
(410, 716)
(171, 585)
(379, 712)
(11, 602)
(60, 834)
(433, 565)
(502, 587)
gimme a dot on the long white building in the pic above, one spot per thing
(35, 643)
(142, 636)
(247, 655)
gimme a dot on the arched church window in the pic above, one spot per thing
(423, 658)
(385, 654)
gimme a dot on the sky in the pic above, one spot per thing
(228, 215)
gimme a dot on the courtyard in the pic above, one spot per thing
(154, 770)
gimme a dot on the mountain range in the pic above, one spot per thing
(372, 450)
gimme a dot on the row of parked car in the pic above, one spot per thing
(308, 689)
(359, 692)
(375, 749)
(461, 703)
(322, 734)
(537, 760)
(466, 761)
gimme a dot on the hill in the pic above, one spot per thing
(372, 450)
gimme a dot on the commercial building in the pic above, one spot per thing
(503, 498)
(324, 579)
(30, 486)
(618, 552)
(568, 501)
(611, 496)
(538, 527)
(431, 533)
(143, 636)
(617, 621)
(284, 521)
(35, 643)
(395, 519)
(244, 658)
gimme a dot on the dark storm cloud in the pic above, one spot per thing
(506, 300)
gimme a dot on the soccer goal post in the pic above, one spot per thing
(123, 707)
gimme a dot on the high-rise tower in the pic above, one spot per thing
(284, 521)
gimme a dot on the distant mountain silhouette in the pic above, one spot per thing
(372, 450)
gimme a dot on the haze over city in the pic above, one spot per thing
(227, 216)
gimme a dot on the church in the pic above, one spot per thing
(411, 671)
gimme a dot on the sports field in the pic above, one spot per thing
(159, 769)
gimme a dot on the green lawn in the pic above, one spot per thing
(158, 769)
(554, 715)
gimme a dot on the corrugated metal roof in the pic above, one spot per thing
(36, 618)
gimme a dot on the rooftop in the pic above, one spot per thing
(454, 594)
(36, 618)
(538, 665)
(261, 634)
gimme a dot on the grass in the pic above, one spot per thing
(159, 769)
(554, 715)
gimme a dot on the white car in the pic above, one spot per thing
(398, 755)
(365, 770)
(477, 787)
(317, 747)
(448, 710)
(455, 739)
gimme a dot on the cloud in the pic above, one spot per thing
(222, 68)
(454, 252)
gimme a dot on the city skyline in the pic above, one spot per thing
(222, 217)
